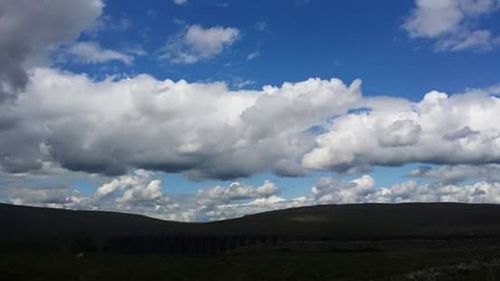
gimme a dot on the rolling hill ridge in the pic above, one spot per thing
(352, 221)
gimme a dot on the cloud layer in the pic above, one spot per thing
(207, 131)
(140, 192)
(202, 129)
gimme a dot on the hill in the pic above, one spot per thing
(352, 221)
(415, 241)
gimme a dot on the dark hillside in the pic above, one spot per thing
(373, 221)
(20, 221)
(355, 221)
(420, 241)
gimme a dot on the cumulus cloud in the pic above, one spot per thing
(236, 191)
(152, 191)
(450, 23)
(94, 53)
(196, 43)
(359, 190)
(239, 209)
(142, 192)
(57, 196)
(201, 129)
(139, 192)
(29, 31)
(439, 129)
(234, 200)
(362, 190)
(205, 130)
(330, 190)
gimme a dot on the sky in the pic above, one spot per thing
(197, 110)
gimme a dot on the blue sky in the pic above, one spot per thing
(113, 136)
(344, 39)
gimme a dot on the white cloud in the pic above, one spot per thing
(151, 192)
(236, 191)
(137, 192)
(358, 190)
(253, 55)
(432, 18)
(205, 130)
(197, 43)
(139, 178)
(329, 190)
(141, 192)
(180, 2)
(202, 129)
(362, 190)
(94, 53)
(138, 188)
(449, 22)
(239, 199)
(220, 202)
(440, 129)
